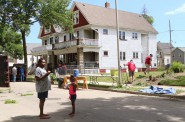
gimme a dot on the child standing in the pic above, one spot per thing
(72, 93)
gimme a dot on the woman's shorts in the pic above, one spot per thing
(43, 95)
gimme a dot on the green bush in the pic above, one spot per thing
(177, 67)
(53, 76)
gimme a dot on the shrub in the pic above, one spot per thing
(53, 76)
(177, 67)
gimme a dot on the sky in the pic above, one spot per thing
(162, 11)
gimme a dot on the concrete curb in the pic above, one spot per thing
(181, 97)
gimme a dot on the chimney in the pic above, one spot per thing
(107, 5)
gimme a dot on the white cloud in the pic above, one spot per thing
(181, 9)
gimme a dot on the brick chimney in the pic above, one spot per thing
(107, 5)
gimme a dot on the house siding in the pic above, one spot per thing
(82, 19)
(109, 43)
(178, 55)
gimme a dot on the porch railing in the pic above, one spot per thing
(83, 42)
(42, 48)
(85, 70)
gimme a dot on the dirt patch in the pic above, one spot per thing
(156, 79)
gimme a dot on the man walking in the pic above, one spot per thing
(148, 63)
(131, 68)
(14, 74)
(22, 73)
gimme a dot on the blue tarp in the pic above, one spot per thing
(157, 90)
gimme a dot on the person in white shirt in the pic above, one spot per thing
(43, 85)
(14, 74)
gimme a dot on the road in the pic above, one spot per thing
(91, 106)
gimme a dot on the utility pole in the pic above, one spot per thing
(170, 31)
(118, 52)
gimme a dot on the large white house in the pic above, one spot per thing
(95, 39)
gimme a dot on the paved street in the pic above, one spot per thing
(91, 106)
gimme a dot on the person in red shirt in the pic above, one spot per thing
(148, 63)
(72, 93)
(131, 68)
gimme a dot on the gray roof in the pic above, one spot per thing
(102, 16)
(30, 46)
(165, 47)
(182, 48)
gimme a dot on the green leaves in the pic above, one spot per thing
(56, 12)
(150, 19)
(21, 14)
(12, 44)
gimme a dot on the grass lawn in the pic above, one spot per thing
(124, 76)
(177, 81)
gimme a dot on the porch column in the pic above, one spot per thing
(52, 61)
(80, 58)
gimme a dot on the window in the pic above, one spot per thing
(135, 54)
(168, 61)
(121, 35)
(45, 42)
(71, 36)
(57, 27)
(51, 40)
(77, 34)
(47, 29)
(180, 55)
(105, 53)
(122, 56)
(76, 17)
(64, 38)
(31, 59)
(56, 39)
(134, 35)
(105, 31)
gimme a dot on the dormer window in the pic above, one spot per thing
(57, 27)
(76, 17)
(47, 29)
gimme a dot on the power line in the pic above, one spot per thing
(168, 31)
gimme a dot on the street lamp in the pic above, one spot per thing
(118, 52)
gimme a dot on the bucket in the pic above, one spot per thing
(75, 72)
(114, 72)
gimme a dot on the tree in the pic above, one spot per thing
(150, 19)
(13, 45)
(10, 40)
(24, 13)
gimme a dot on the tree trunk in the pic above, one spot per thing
(24, 48)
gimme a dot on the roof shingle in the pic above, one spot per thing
(102, 16)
